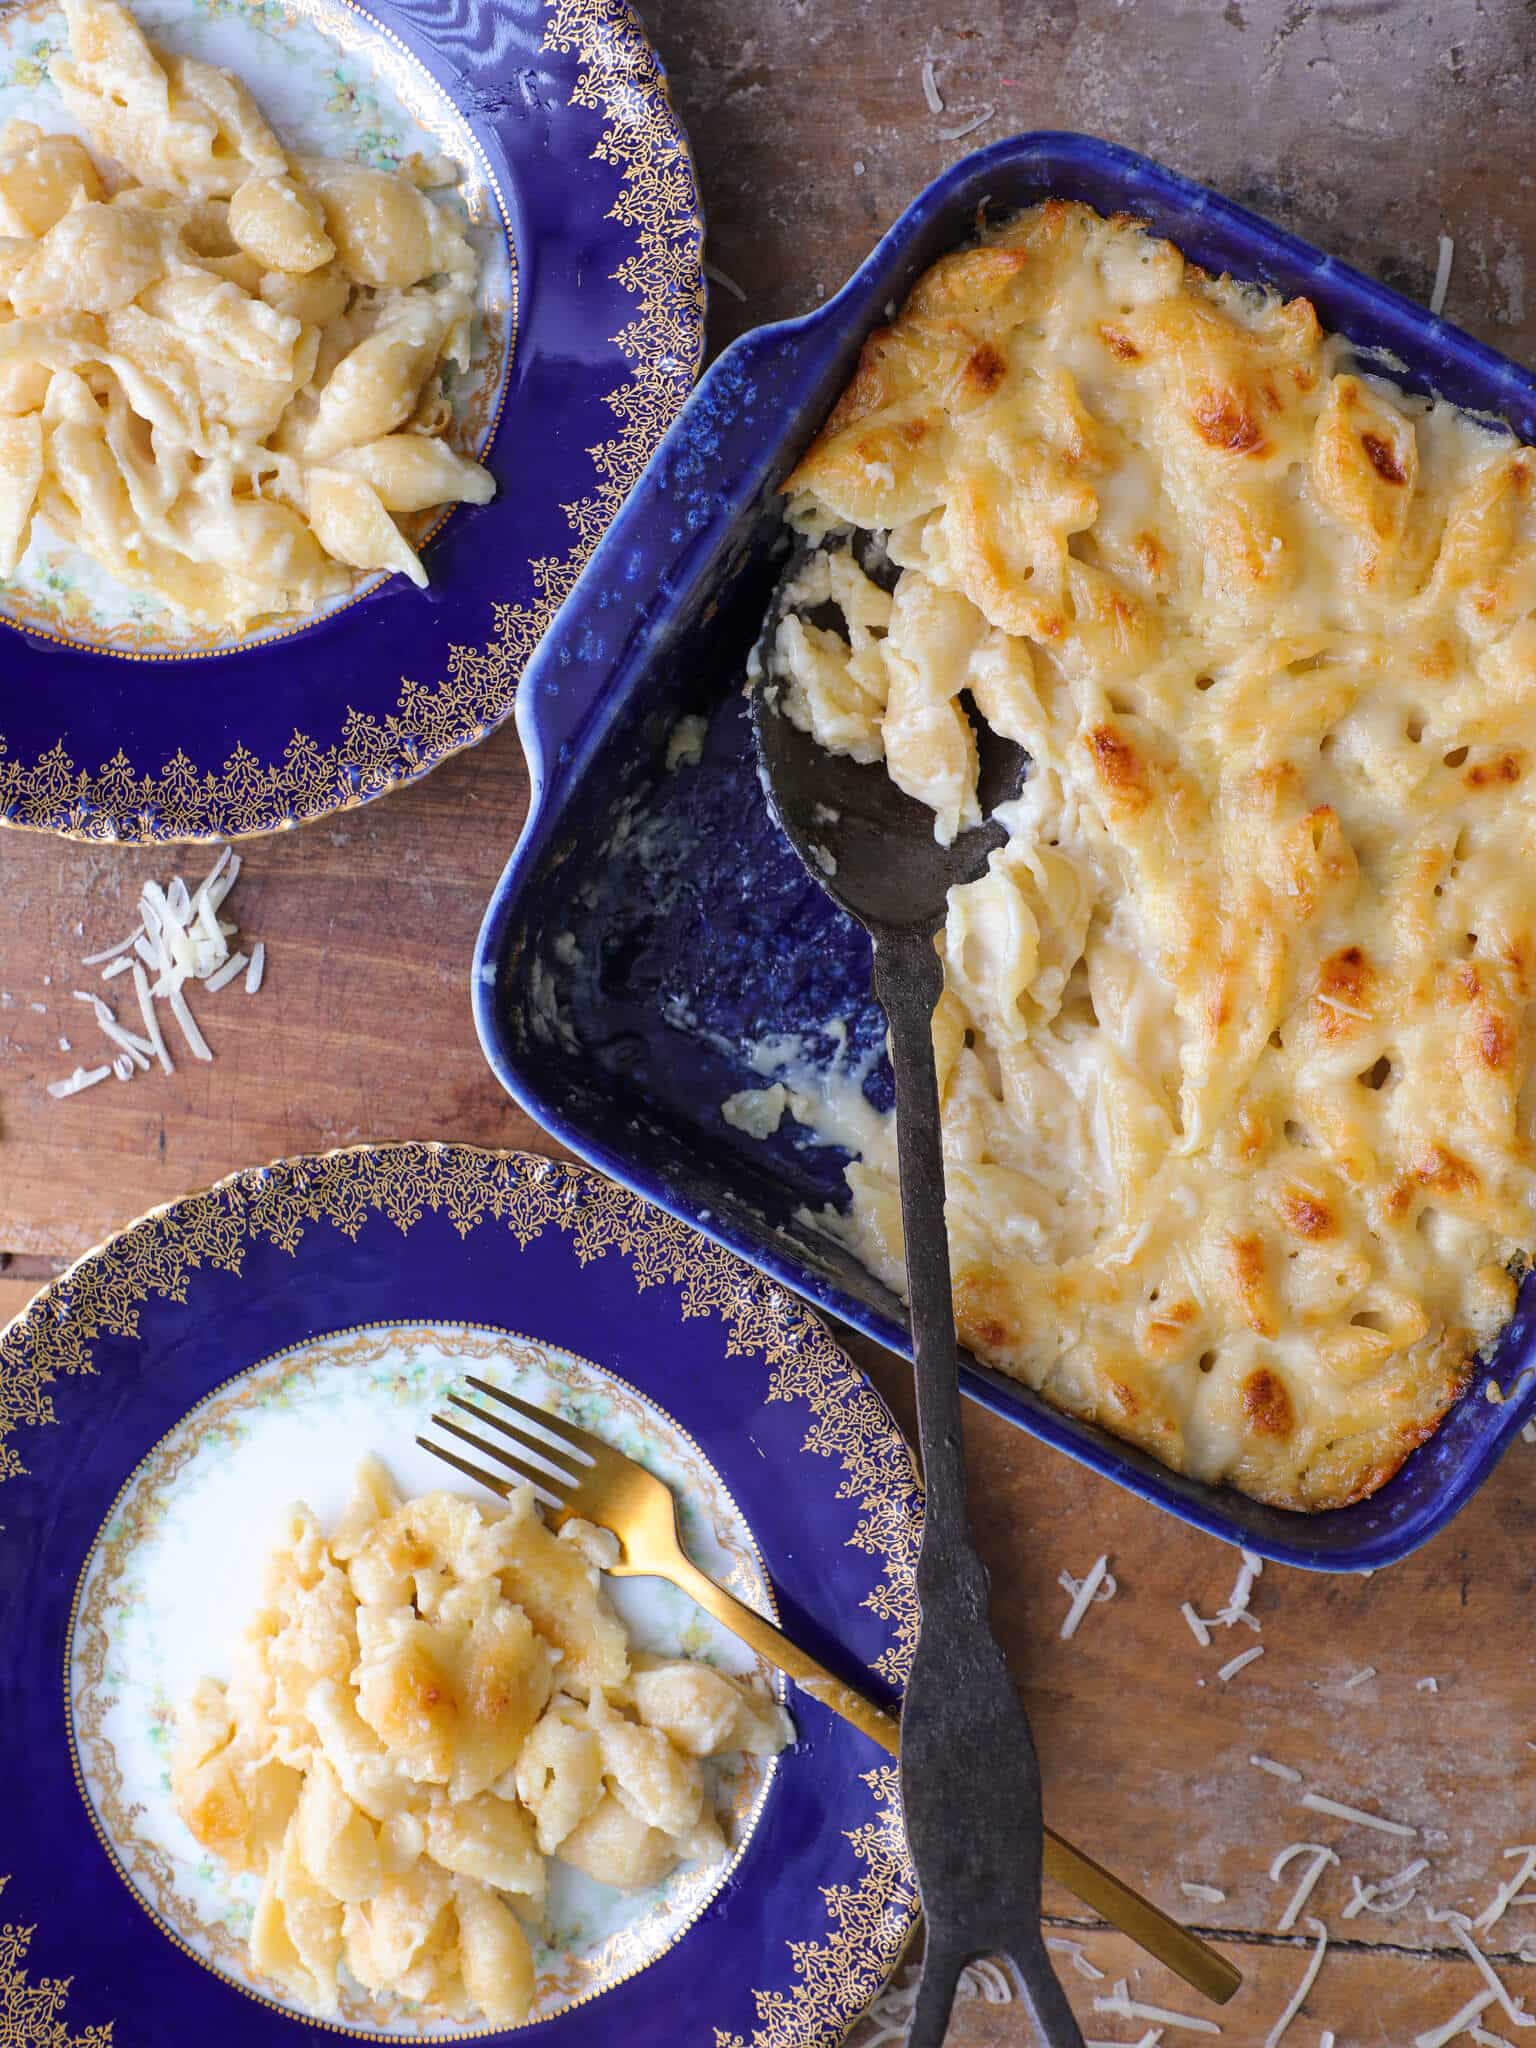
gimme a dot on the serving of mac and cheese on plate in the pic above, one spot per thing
(432, 1700)
(403, 1758)
(237, 377)
(1235, 1035)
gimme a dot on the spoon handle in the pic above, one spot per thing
(970, 1778)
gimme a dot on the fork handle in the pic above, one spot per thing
(1099, 1889)
(785, 1655)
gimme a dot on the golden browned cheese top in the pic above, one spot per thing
(1236, 1032)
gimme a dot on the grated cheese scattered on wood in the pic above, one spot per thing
(235, 964)
(1513, 2007)
(1122, 2007)
(1426, 1685)
(1458, 2023)
(1086, 1593)
(1197, 1627)
(1387, 1898)
(726, 282)
(1508, 1893)
(79, 1080)
(1360, 1678)
(1321, 1858)
(197, 1045)
(1073, 1951)
(181, 938)
(1231, 1668)
(977, 120)
(1267, 1763)
(931, 91)
(985, 1980)
(1319, 1804)
(1444, 258)
(1299, 1996)
(1206, 1893)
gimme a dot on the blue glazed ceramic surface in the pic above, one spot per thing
(651, 924)
(325, 1261)
(577, 172)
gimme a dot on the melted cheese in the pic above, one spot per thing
(1234, 1044)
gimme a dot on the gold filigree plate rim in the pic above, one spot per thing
(869, 1921)
(662, 345)
(719, 1878)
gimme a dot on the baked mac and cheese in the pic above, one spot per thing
(1235, 1040)
(431, 1701)
(221, 366)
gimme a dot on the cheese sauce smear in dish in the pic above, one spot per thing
(1234, 1043)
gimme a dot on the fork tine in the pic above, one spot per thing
(498, 1486)
(568, 1433)
(547, 1483)
(524, 1439)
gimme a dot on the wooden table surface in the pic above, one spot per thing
(1373, 128)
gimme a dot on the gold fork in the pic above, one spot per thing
(619, 1495)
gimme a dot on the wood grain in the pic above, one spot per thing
(1365, 1998)
(1371, 128)
(362, 1028)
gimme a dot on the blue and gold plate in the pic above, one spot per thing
(118, 720)
(165, 1401)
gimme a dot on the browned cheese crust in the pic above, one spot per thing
(1236, 1033)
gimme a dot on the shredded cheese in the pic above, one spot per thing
(181, 938)
(1299, 1996)
(977, 120)
(1387, 1898)
(1206, 1893)
(1508, 1893)
(726, 282)
(931, 91)
(1458, 2023)
(1073, 1951)
(235, 964)
(1514, 2007)
(1443, 260)
(1197, 1627)
(1267, 1763)
(1120, 2006)
(1231, 1668)
(1085, 1594)
(1360, 1678)
(1321, 1858)
(79, 1080)
(1319, 1804)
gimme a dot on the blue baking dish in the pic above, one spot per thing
(651, 923)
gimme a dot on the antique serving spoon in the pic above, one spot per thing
(970, 1779)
